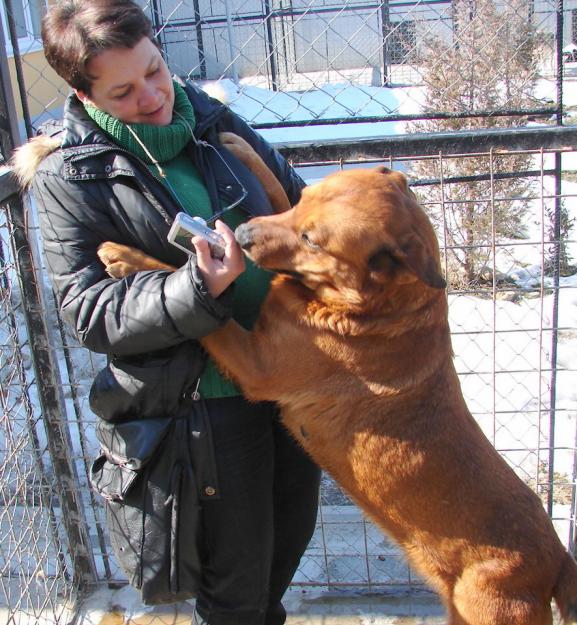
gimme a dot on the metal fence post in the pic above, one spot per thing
(385, 32)
(270, 45)
(17, 65)
(200, 40)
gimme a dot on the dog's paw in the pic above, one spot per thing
(119, 260)
(122, 260)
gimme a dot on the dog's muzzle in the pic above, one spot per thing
(244, 236)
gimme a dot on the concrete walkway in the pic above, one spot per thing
(305, 607)
(122, 607)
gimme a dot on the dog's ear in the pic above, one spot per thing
(418, 259)
(412, 256)
(397, 177)
(384, 260)
(382, 169)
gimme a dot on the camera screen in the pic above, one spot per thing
(183, 238)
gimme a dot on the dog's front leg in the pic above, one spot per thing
(239, 355)
(122, 260)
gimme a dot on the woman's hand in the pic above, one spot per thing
(219, 274)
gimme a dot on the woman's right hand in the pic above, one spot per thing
(219, 274)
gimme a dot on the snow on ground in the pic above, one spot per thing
(259, 105)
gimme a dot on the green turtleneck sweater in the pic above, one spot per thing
(166, 145)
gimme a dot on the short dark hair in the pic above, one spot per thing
(75, 31)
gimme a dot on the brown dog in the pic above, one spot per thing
(353, 342)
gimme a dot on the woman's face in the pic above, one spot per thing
(132, 84)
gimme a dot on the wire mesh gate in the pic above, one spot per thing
(517, 382)
(511, 306)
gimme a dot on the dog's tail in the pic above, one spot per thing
(565, 591)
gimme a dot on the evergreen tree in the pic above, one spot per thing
(489, 65)
(561, 262)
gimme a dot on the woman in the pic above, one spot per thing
(136, 147)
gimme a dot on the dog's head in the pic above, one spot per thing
(356, 233)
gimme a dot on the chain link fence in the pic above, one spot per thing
(34, 552)
(472, 99)
(284, 63)
(301, 46)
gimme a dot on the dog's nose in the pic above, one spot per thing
(244, 236)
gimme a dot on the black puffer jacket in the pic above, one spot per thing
(90, 191)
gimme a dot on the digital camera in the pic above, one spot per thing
(185, 227)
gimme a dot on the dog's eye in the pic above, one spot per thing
(305, 237)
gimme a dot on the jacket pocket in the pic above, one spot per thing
(130, 388)
(145, 475)
(146, 386)
(110, 480)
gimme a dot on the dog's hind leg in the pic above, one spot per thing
(506, 615)
(453, 617)
(478, 605)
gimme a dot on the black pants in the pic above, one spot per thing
(258, 529)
